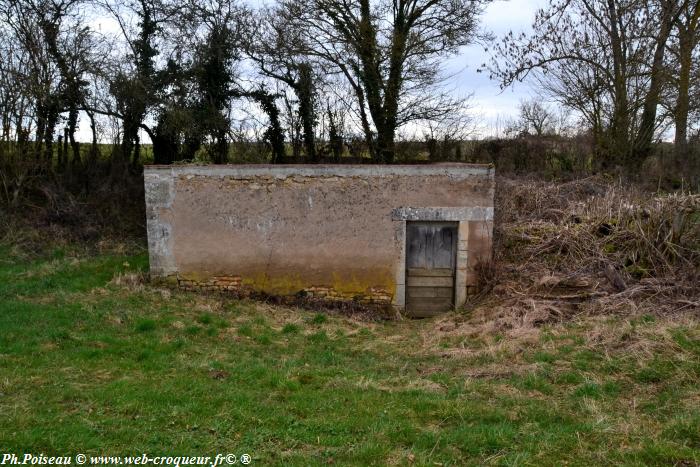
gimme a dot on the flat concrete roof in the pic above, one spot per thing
(339, 170)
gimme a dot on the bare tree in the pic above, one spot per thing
(667, 13)
(445, 135)
(67, 51)
(389, 52)
(603, 58)
(688, 36)
(535, 118)
(134, 85)
(279, 52)
(57, 58)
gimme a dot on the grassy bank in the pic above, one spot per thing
(94, 361)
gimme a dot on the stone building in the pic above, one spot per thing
(403, 235)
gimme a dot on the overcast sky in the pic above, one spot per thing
(490, 104)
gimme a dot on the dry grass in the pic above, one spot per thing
(591, 246)
(498, 385)
(131, 281)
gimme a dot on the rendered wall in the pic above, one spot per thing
(333, 231)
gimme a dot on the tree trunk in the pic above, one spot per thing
(687, 40)
(367, 130)
(120, 158)
(651, 101)
(93, 147)
(335, 137)
(371, 80)
(59, 153)
(65, 144)
(51, 121)
(393, 86)
(129, 138)
(72, 126)
(220, 147)
(620, 124)
(683, 100)
(40, 129)
(137, 151)
(386, 145)
(305, 94)
(274, 135)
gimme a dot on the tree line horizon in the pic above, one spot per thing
(323, 77)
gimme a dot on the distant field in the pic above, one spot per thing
(258, 152)
(93, 361)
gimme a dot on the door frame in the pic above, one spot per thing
(454, 247)
(477, 219)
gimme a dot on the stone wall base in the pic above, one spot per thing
(234, 285)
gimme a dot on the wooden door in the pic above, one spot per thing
(430, 267)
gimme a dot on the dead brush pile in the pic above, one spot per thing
(591, 246)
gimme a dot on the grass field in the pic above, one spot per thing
(93, 361)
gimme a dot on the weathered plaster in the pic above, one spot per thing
(159, 193)
(331, 231)
(284, 171)
(442, 214)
